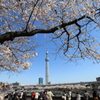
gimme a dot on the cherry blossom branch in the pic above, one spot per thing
(31, 14)
(11, 35)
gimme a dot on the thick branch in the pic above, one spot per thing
(11, 35)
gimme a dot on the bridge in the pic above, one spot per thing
(55, 86)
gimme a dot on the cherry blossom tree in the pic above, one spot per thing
(70, 22)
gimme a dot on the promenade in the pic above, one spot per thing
(54, 98)
(59, 98)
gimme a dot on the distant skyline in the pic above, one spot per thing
(59, 70)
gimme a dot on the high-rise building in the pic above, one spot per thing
(40, 81)
(47, 69)
(98, 78)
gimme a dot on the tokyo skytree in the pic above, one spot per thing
(47, 69)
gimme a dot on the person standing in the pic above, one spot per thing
(50, 95)
(95, 95)
(64, 95)
(36, 95)
(41, 96)
(15, 97)
(45, 97)
(78, 96)
(32, 96)
(69, 95)
(21, 95)
(24, 95)
(86, 95)
(10, 96)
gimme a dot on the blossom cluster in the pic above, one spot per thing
(30, 15)
(47, 13)
(13, 61)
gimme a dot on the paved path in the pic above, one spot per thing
(55, 98)
(28, 98)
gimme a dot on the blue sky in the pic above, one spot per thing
(59, 70)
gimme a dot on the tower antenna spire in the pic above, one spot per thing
(46, 46)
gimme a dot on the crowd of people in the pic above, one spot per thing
(86, 95)
(16, 96)
(46, 95)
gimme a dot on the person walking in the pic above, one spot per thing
(50, 95)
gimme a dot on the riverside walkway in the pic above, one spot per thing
(60, 98)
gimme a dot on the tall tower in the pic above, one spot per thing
(47, 69)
